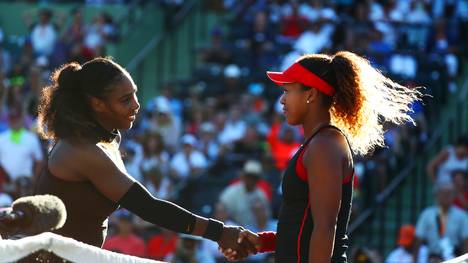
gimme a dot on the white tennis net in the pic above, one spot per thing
(460, 259)
(66, 248)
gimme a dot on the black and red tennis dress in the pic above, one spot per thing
(295, 222)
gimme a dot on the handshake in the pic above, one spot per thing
(237, 243)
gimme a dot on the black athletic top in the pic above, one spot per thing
(87, 208)
(295, 223)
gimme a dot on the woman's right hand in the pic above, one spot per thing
(246, 239)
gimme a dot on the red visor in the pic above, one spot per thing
(298, 74)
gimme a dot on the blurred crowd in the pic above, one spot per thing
(218, 144)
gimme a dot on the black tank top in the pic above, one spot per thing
(295, 223)
(87, 208)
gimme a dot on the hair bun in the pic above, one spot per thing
(69, 77)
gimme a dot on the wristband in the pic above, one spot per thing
(214, 230)
(267, 241)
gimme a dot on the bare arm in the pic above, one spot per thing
(433, 165)
(95, 165)
(323, 160)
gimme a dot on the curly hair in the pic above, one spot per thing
(64, 108)
(364, 98)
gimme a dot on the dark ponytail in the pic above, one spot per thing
(64, 108)
(68, 78)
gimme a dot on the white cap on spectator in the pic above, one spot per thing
(232, 71)
(162, 105)
(5, 200)
(252, 167)
(189, 139)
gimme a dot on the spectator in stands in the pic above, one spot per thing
(314, 39)
(163, 122)
(44, 34)
(216, 52)
(162, 245)
(5, 59)
(209, 144)
(189, 249)
(461, 188)
(293, 24)
(3, 106)
(188, 162)
(234, 127)
(260, 43)
(405, 242)
(283, 141)
(249, 147)
(238, 198)
(20, 150)
(76, 31)
(155, 166)
(453, 157)
(125, 241)
(443, 227)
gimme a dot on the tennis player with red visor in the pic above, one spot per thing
(339, 100)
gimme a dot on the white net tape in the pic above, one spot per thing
(459, 259)
(66, 248)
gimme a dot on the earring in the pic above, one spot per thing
(308, 101)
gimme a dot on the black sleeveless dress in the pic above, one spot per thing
(87, 208)
(295, 222)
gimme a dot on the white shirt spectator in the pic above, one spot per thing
(94, 36)
(456, 228)
(43, 37)
(444, 171)
(238, 203)
(181, 164)
(161, 161)
(314, 42)
(233, 131)
(404, 65)
(161, 164)
(399, 255)
(164, 189)
(18, 157)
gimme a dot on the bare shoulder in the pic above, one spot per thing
(70, 160)
(328, 141)
(329, 149)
